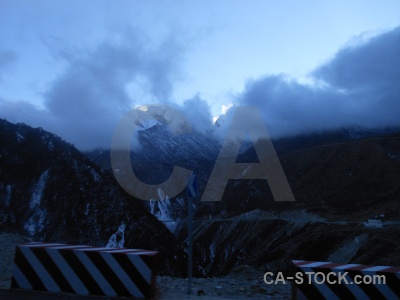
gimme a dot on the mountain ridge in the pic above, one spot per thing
(52, 192)
(337, 187)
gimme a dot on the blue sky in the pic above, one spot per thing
(75, 66)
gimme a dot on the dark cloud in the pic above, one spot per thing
(373, 64)
(198, 113)
(360, 86)
(369, 75)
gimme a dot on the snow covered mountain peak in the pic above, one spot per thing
(148, 116)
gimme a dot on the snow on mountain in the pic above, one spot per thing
(147, 123)
(117, 239)
(36, 222)
(146, 117)
(168, 211)
(163, 145)
(38, 191)
(20, 137)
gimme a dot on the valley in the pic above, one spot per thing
(52, 192)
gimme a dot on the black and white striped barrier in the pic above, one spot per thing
(84, 270)
(326, 280)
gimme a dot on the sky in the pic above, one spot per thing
(75, 67)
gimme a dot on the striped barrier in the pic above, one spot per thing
(84, 270)
(326, 280)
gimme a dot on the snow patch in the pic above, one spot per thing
(96, 176)
(181, 201)
(117, 239)
(19, 137)
(38, 191)
(161, 210)
(348, 249)
(146, 123)
(245, 171)
(152, 206)
(212, 250)
(162, 195)
(226, 252)
(50, 146)
(36, 222)
(173, 225)
(47, 138)
(87, 209)
(391, 155)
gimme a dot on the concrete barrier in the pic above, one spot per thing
(84, 270)
(326, 280)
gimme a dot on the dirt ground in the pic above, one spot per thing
(244, 283)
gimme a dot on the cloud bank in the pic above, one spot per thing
(359, 86)
(85, 101)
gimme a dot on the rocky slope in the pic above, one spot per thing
(49, 191)
(337, 186)
(339, 180)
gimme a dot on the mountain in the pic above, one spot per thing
(339, 180)
(160, 151)
(50, 191)
(158, 144)
(337, 188)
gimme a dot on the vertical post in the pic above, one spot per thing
(190, 246)
(192, 192)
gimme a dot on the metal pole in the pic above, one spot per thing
(190, 247)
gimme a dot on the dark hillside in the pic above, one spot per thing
(50, 191)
